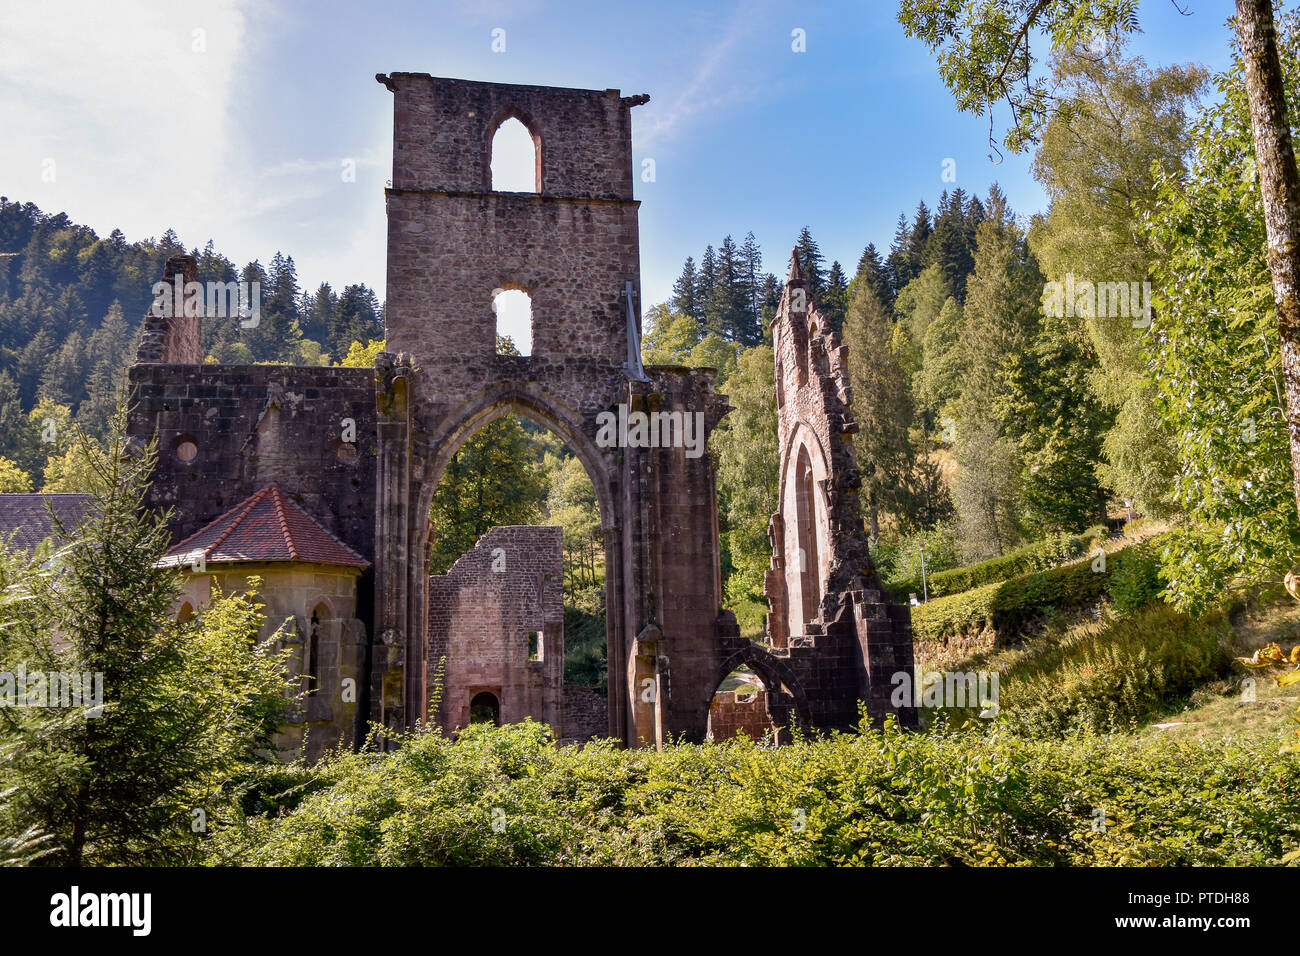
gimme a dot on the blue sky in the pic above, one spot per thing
(233, 120)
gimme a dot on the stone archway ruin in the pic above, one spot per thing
(574, 245)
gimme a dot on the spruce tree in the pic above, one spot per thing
(1000, 321)
(117, 781)
(683, 298)
(811, 258)
(871, 270)
(835, 299)
(882, 406)
(897, 266)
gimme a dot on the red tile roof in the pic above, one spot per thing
(265, 527)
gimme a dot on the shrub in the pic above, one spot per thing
(1013, 603)
(1114, 677)
(898, 558)
(880, 797)
(1136, 582)
(1040, 555)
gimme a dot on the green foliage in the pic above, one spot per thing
(494, 479)
(362, 356)
(1059, 427)
(571, 503)
(920, 301)
(882, 406)
(1110, 679)
(984, 54)
(1102, 185)
(1015, 602)
(898, 557)
(1136, 581)
(1037, 556)
(937, 383)
(70, 301)
(669, 336)
(873, 798)
(747, 464)
(183, 706)
(1217, 358)
(13, 480)
(584, 648)
(999, 323)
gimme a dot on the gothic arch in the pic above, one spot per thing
(807, 554)
(774, 673)
(490, 132)
(458, 427)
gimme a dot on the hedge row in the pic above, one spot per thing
(508, 796)
(1038, 556)
(1130, 579)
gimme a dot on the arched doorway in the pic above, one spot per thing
(517, 574)
(485, 708)
(739, 706)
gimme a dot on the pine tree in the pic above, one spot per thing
(181, 707)
(751, 257)
(108, 354)
(835, 299)
(871, 270)
(952, 245)
(811, 258)
(1060, 427)
(1000, 321)
(316, 318)
(918, 238)
(684, 289)
(355, 319)
(882, 406)
(897, 266)
(748, 466)
(706, 273)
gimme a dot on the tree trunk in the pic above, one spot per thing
(1279, 183)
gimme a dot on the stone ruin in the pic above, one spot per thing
(360, 452)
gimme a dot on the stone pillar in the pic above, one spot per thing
(390, 698)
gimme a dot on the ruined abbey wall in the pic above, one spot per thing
(480, 615)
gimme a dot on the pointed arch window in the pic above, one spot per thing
(516, 158)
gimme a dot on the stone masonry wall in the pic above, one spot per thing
(480, 613)
(743, 710)
(254, 425)
(586, 713)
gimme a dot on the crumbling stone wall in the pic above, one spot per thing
(743, 710)
(835, 634)
(224, 431)
(176, 338)
(253, 425)
(574, 247)
(586, 713)
(480, 615)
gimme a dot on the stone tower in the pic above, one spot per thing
(572, 245)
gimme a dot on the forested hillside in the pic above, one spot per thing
(70, 309)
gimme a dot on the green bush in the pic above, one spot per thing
(1014, 602)
(508, 796)
(1136, 582)
(1115, 677)
(1040, 555)
(898, 558)
(584, 648)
